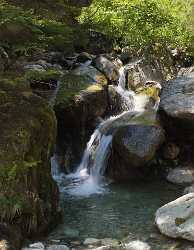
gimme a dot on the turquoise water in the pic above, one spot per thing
(125, 210)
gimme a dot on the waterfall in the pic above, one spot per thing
(88, 178)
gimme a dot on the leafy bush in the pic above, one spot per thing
(139, 23)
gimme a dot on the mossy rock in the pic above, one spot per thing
(29, 196)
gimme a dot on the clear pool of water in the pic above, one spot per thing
(125, 210)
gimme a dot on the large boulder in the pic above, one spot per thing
(176, 219)
(176, 108)
(29, 196)
(134, 147)
(81, 100)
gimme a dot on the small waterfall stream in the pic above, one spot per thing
(88, 178)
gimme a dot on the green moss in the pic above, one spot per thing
(70, 86)
(42, 75)
(179, 221)
(150, 91)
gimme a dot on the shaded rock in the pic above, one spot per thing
(188, 190)
(28, 129)
(79, 103)
(133, 147)
(91, 75)
(84, 57)
(10, 237)
(137, 245)
(181, 175)
(4, 59)
(171, 151)
(107, 67)
(176, 219)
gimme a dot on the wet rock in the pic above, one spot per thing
(133, 147)
(181, 175)
(176, 219)
(117, 104)
(137, 245)
(79, 103)
(107, 67)
(188, 190)
(57, 247)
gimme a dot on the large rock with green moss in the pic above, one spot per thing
(81, 99)
(29, 196)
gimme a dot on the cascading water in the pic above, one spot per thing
(88, 179)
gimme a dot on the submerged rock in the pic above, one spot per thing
(134, 146)
(137, 245)
(181, 175)
(176, 219)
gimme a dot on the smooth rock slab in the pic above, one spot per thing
(176, 219)
(137, 245)
(181, 175)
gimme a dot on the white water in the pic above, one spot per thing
(88, 179)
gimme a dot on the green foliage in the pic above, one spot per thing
(42, 75)
(139, 23)
(24, 28)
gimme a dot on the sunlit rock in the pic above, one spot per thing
(176, 219)
(137, 245)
